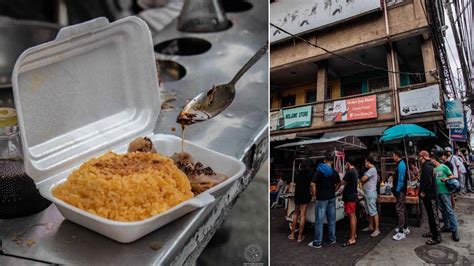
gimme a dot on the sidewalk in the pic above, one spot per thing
(413, 251)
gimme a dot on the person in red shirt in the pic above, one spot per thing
(349, 196)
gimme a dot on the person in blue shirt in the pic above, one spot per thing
(399, 190)
(323, 187)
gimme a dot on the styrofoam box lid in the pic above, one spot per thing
(90, 90)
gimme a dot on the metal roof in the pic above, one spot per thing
(322, 144)
(364, 132)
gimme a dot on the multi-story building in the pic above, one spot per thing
(378, 68)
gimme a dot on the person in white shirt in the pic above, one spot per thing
(459, 170)
(465, 169)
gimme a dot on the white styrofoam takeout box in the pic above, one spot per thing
(91, 90)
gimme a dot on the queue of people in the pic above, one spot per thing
(440, 175)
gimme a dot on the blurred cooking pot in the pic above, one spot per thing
(15, 37)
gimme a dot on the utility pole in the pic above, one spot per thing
(462, 59)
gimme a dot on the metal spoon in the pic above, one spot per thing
(208, 104)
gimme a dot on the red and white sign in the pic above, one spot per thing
(355, 109)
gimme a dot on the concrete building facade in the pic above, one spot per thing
(380, 66)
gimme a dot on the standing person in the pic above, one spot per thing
(399, 190)
(370, 190)
(468, 177)
(459, 170)
(414, 171)
(464, 171)
(302, 197)
(428, 194)
(349, 196)
(442, 175)
(281, 186)
(444, 160)
(324, 188)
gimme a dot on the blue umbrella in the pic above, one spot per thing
(405, 131)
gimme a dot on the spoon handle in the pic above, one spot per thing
(250, 63)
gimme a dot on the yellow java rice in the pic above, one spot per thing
(126, 187)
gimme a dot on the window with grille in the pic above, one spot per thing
(328, 95)
(311, 96)
(353, 88)
(288, 100)
(378, 84)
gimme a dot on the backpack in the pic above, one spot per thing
(453, 185)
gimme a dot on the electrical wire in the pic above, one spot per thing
(451, 52)
(463, 28)
(348, 58)
(457, 31)
(460, 30)
(435, 37)
(463, 10)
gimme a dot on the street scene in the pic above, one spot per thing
(371, 158)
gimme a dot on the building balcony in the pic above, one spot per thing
(418, 103)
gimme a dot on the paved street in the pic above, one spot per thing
(379, 251)
(286, 252)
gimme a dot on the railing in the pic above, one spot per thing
(324, 115)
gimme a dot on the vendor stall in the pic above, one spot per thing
(314, 149)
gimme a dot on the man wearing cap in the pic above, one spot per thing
(459, 169)
(428, 195)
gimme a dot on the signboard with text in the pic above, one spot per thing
(459, 134)
(420, 100)
(297, 117)
(274, 121)
(355, 109)
(454, 114)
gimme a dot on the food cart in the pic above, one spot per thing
(395, 135)
(314, 149)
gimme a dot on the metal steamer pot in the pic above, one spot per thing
(15, 37)
(18, 194)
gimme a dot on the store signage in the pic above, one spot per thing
(274, 121)
(297, 117)
(454, 114)
(459, 134)
(355, 109)
(301, 16)
(420, 100)
(283, 137)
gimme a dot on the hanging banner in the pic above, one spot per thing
(355, 109)
(454, 114)
(297, 117)
(420, 100)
